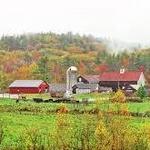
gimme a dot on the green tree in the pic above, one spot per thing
(141, 92)
(43, 68)
(3, 80)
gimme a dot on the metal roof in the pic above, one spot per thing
(91, 78)
(26, 83)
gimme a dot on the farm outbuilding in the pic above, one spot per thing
(128, 81)
(85, 88)
(28, 87)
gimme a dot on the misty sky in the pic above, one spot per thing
(127, 20)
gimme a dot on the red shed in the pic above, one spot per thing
(28, 87)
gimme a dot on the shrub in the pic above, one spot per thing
(102, 137)
(124, 110)
(62, 108)
(141, 92)
(119, 97)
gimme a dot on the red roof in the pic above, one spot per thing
(117, 76)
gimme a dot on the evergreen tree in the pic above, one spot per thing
(141, 92)
(43, 68)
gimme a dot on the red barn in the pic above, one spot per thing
(28, 87)
(122, 79)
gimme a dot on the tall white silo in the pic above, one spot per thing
(71, 75)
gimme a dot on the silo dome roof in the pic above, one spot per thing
(72, 68)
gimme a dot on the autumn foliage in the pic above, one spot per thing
(47, 56)
(119, 97)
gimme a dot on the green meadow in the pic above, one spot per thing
(30, 125)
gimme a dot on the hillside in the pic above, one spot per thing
(50, 40)
(47, 56)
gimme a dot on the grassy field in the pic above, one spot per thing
(31, 96)
(17, 124)
(27, 121)
(11, 105)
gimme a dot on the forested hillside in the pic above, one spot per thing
(47, 56)
(50, 40)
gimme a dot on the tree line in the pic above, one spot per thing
(49, 40)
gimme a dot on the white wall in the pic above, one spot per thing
(141, 80)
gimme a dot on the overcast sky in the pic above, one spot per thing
(126, 20)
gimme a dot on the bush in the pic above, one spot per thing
(62, 109)
(117, 134)
(102, 137)
(141, 92)
(119, 97)
(38, 100)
